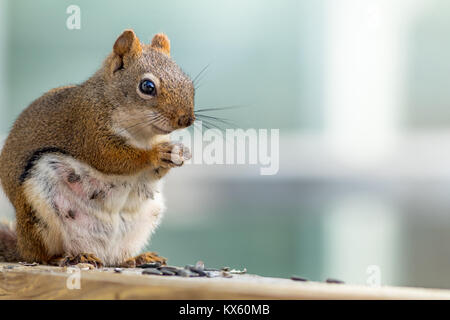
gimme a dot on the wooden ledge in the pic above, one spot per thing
(44, 282)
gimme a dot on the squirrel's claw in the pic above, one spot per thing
(147, 257)
(84, 258)
(172, 155)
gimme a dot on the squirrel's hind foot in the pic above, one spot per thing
(82, 258)
(147, 257)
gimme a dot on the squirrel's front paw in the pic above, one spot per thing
(169, 155)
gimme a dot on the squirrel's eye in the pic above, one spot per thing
(147, 87)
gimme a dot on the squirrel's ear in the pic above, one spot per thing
(126, 46)
(161, 43)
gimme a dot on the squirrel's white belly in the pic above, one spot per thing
(82, 210)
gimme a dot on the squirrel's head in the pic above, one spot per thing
(148, 92)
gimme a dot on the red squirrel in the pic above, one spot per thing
(83, 164)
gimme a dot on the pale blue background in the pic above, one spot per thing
(269, 56)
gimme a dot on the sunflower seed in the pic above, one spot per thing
(26, 264)
(169, 268)
(330, 280)
(200, 265)
(186, 273)
(193, 275)
(211, 269)
(234, 271)
(167, 272)
(200, 272)
(213, 274)
(152, 271)
(296, 278)
(150, 265)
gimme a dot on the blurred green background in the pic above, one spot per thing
(358, 89)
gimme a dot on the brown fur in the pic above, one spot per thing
(8, 244)
(78, 120)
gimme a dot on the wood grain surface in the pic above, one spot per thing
(44, 282)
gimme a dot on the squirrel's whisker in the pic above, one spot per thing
(138, 117)
(200, 73)
(147, 121)
(208, 125)
(204, 125)
(219, 108)
(224, 121)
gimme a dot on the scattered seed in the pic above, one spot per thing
(213, 274)
(186, 273)
(234, 271)
(182, 272)
(197, 270)
(193, 273)
(211, 269)
(150, 265)
(200, 272)
(200, 265)
(296, 278)
(166, 272)
(330, 280)
(169, 268)
(26, 264)
(152, 271)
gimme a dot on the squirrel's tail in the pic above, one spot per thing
(8, 244)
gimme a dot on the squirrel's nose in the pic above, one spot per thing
(186, 120)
